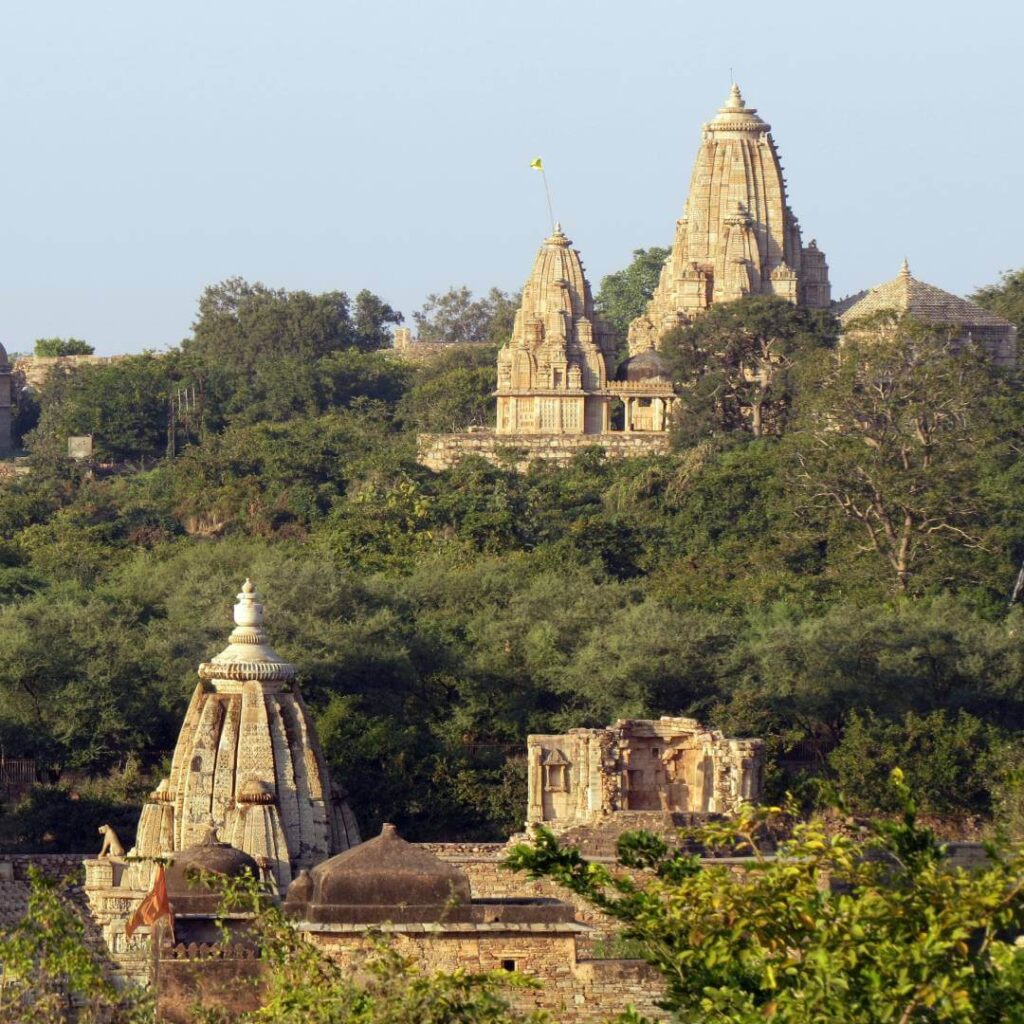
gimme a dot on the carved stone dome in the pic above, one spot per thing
(648, 365)
(383, 879)
(187, 892)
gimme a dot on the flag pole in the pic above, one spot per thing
(538, 165)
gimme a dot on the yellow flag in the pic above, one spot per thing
(537, 164)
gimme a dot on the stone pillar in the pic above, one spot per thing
(658, 414)
(6, 444)
(627, 405)
(534, 783)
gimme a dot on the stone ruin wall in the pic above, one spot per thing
(31, 371)
(412, 350)
(442, 451)
(574, 991)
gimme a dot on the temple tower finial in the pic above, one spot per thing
(249, 609)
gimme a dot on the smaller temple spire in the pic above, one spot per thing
(905, 268)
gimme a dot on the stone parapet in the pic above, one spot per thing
(442, 451)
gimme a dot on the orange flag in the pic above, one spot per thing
(153, 907)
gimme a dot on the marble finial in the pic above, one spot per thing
(735, 100)
(249, 609)
(905, 268)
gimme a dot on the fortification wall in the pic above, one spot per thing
(442, 451)
(31, 371)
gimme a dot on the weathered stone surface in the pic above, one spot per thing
(737, 235)
(442, 451)
(553, 371)
(905, 294)
(668, 765)
(6, 397)
(248, 764)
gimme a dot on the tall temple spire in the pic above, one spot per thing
(737, 235)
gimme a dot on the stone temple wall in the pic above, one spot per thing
(442, 451)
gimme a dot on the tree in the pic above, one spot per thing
(455, 316)
(373, 317)
(1005, 298)
(831, 929)
(624, 295)
(736, 363)
(62, 347)
(50, 973)
(123, 404)
(892, 427)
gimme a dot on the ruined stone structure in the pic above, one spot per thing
(672, 765)
(31, 371)
(737, 235)
(906, 295)
(247, 765)
(6, 400)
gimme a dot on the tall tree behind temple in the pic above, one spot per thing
(1005, 298)
(624, 295)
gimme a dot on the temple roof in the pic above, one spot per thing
(931, 305)
(383, 872)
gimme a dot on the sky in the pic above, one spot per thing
(151, 149)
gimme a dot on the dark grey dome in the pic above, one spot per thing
(649, 365)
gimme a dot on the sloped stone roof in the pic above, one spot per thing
(931, 305)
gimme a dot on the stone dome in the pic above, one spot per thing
(4, 361)
(189, 894)
(383, 879)
(648, 365)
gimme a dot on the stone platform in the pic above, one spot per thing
(442, 451)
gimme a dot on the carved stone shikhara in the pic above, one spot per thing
(248, 764)
(737, 235)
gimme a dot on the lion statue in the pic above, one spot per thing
(111, 844)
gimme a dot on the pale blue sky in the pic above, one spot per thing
(150, 149)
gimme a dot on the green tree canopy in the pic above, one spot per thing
(736, 363)
(63, 347)
(1005, 298)
(892, 427)
(624, 295)
(831, 929)
(455, 316)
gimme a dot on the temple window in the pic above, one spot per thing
(556, 778)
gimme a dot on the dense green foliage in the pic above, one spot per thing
(875, 930)
(439, 618)
(49, 973)
(1005, 298)
(738, 364)
(455, 316)
(62, 347)
(624, 295)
